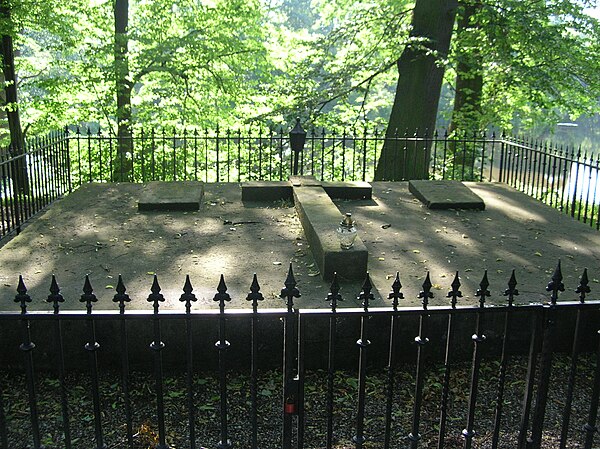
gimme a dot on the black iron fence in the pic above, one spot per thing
(52, 166)
(330, 340)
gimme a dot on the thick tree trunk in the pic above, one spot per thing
(17, 142)
(123, 86)
(418, 91)
(466, 114)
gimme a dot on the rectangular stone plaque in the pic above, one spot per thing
(445, 195)
(171, 196)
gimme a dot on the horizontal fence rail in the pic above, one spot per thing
(363, 336)
(54, 165)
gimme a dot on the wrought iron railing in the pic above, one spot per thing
(384, 337)
(54, 165)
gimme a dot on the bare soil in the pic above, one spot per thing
(98, 231)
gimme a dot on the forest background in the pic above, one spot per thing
(516, 65)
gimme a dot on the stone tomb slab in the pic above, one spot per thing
(445, 195)
(319, 217)
(171, 196)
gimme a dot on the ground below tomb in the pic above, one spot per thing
(99, 231)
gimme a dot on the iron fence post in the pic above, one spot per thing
(590, 428)
(223, 345)
(92, 346)
(254, 296)
(478, 339)
(554, 286)
(583, 289)
(453, 294)
(157, 346)
(421, 340)
(121, 298)
(510, 292)
(188, 297)
(290, 384)
(395, 295)
(27, 347)
(363, 344)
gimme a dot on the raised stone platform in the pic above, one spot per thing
(171, 196)
(319, 217)
(445, 195)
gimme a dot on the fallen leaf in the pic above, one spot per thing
(537, 253)
(108, 287)
(127, 241)
(416, 251)
(276, 263)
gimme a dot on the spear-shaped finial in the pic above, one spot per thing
(556, 285)
(155, 297)
(55, 297)
(395, 295)
(187, 296)
(483, 291)
(88, 296)
(290, 291)
(455, 293)
(334, 293)
(365, 295)
(583, 288)
(511, 291)
(426, 293)
(121, 297)
(22, 296)
(255, 295)
(222, 296)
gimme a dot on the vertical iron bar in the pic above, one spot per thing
(363, 343)
(453, 294)
(583, 289)
(121, 297)
(478, 338)
(421, 340)
(554, 286)
(290, 398)
(301, 375)
(157, 346)
(511, 292)
(395, 295)
(333, 297)
(222, 345)
(27, 347)
(254, 296)
(3, 430)
(92, 347)
(188, 297)
(590, 428)
(55, 298)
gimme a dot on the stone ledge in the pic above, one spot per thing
(349, 190)
(445, 195)
(266, 191)
(282, 190)
(171, 196)
(319, 218)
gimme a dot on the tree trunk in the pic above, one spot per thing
(417, 92)
(123, 86)
(466, 114)
(17, 142)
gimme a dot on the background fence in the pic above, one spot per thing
(312, 409)
(55, 164)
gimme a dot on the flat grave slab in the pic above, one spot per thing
(283, 190)
(445, 195)
(171, 196)
(267, 191)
